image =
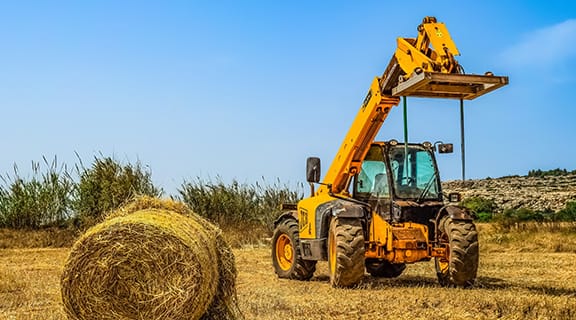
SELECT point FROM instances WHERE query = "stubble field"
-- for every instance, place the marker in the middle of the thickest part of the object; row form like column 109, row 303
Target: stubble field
column 522, row 275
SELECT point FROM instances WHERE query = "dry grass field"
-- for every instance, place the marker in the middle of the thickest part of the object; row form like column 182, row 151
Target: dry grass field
column 523, row 275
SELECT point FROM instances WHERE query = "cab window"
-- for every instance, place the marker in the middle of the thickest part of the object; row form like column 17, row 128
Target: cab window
column 372, row 181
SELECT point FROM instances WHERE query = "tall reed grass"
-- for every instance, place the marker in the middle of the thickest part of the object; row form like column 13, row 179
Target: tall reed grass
column 107, row 185
column 44, row 199
column 54, row 196
column 237, row 204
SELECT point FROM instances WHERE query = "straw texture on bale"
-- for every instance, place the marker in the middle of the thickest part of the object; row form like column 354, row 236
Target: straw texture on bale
column 152, row 259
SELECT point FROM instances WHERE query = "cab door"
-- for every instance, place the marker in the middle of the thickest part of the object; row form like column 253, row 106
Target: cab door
column 372, row 184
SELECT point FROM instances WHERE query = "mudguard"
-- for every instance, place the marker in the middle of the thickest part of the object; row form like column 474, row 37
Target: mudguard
column 455, row 213
column 337, row 208
column 286, row 215
column 346, row 209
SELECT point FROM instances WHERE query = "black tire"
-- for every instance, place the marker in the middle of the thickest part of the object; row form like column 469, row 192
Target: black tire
column 286, row 257
column 462, row 265
column 384, row 269
column 345, row 252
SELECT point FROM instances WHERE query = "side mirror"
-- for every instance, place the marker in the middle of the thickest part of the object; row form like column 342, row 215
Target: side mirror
column 445, row 148
column 313, row 169
column 454, row 197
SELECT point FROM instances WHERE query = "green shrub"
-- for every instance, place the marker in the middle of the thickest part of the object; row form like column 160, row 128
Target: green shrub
column 237, row 204
column 484, row 217
column 511, row 217
column 42, row 200
column 107, row 185
column 568, row 213
column 482, row 208
column 524, row 214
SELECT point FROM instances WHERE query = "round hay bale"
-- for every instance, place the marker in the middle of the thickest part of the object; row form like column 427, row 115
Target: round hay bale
column 152, row 259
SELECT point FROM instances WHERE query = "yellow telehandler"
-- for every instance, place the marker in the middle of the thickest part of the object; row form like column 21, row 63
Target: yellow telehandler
column 380, row 205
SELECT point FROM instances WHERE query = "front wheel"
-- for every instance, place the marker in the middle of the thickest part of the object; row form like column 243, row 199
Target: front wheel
column 461, row 266
column 286, row 257
column 346, row 252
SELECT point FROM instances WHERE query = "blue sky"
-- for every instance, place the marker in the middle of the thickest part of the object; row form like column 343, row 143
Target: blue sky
column 249, row 89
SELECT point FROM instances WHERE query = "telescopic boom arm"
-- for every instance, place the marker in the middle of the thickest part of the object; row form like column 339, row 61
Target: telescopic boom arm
column 422, row 67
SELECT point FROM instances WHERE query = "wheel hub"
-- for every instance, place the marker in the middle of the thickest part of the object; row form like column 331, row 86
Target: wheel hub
column 284, row 252
column 288, row 252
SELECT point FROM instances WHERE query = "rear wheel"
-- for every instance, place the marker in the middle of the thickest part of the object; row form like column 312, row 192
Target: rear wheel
column 384, row 269
column 286, row 257
column 461, row 266
column 346, row 252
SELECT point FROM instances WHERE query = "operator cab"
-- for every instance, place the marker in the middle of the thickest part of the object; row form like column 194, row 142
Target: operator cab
column 397, row 176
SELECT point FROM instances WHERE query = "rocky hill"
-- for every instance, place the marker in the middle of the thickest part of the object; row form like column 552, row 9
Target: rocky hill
column 536, row 193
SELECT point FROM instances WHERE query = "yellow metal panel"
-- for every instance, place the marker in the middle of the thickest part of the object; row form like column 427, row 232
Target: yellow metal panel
column 440, row 38
column 380, row 231
column 405, row 60
column 409, row 58
column 397, row 243
column 306, row 223
column 412, row 225
column 307, row 215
